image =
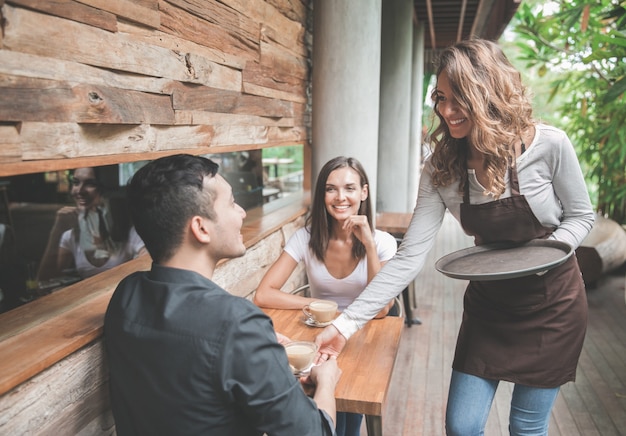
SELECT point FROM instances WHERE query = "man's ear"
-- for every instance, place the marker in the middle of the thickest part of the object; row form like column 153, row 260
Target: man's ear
column 200, row 229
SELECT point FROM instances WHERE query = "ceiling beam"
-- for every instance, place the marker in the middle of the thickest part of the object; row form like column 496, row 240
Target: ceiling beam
column 482, row 16
column 429, row 10
column 459, row 32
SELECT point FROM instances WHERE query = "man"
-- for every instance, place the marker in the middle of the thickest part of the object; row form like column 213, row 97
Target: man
column 185, row 356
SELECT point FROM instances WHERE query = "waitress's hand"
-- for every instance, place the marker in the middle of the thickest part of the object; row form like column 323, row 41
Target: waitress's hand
column 330, row 343
column 358, row 225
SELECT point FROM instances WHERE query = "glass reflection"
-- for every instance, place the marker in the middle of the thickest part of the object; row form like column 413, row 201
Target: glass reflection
column 59, row 227
column 91, row 236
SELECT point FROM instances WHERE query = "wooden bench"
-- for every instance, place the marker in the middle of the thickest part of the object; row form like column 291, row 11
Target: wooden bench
column 602, row 251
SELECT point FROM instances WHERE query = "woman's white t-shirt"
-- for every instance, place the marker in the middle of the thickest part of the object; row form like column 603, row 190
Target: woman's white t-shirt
column 322, row 284
column 85, row 269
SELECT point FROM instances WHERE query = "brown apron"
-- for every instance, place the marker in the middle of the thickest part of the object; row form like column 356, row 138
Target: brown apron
column 527, row 330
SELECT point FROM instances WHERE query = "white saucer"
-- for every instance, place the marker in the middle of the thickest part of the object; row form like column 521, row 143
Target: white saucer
column 312, row 323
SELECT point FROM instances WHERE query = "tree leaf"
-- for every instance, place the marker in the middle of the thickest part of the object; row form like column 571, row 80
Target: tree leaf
column 615, row 91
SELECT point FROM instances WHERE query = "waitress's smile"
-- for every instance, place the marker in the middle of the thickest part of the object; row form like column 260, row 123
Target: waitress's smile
column 447, row 105
column 457, row 121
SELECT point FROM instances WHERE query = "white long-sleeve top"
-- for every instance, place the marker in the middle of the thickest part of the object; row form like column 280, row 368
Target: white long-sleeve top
column 551, row 180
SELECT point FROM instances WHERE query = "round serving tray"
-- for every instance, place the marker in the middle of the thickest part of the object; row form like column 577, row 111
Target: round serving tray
column 504, row 261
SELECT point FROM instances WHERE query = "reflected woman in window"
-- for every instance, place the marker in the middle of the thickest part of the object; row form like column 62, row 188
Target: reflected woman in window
column 91, row 237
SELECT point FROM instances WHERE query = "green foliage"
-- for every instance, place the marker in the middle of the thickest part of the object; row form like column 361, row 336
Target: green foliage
column 582, row 43
column 293, row 152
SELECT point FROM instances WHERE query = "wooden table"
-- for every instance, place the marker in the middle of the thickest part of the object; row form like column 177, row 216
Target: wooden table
column 366, row 362
column 397, row 223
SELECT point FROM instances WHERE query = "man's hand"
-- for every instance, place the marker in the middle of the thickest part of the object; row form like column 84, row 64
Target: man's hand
column 326, row 372
column 324, row 378
column 330, row 343
column 282, row 339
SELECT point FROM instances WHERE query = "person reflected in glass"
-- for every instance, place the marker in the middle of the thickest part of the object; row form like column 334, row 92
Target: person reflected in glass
column 339, row 247
column 506, row 178
column 93, row 236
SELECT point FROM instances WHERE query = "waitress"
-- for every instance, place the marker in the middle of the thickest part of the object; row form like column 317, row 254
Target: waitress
column 505, row 178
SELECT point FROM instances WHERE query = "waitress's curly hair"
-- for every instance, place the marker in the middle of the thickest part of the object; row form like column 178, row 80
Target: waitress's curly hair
column 490, row 91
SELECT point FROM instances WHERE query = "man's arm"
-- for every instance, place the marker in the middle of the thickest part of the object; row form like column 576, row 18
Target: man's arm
column 325, row 378
column 255, row 371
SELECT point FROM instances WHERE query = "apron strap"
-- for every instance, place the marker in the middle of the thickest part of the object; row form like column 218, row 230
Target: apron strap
column 514, row 180
column 466, row 190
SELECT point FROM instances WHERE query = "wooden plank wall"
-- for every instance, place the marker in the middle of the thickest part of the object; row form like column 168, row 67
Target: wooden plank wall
column 95, row 82
column 121, row 80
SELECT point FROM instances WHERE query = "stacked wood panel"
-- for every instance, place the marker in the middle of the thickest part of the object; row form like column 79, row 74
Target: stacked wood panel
column 120, row 80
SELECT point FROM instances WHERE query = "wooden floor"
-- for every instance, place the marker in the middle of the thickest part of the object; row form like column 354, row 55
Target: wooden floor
column 594, row 405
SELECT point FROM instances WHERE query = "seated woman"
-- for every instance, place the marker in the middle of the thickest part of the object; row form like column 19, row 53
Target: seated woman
column 91, row 237
column 339, row 248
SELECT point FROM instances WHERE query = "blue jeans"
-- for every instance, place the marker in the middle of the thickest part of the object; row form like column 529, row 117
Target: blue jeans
column 349, row 424
column 470, row 398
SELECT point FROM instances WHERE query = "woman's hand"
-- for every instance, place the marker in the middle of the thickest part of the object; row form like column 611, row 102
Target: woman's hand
column 358, row 225
column 66, row 218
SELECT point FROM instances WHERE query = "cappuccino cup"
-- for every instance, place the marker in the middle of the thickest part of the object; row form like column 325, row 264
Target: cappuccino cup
column 321, row 311
column 300, row 355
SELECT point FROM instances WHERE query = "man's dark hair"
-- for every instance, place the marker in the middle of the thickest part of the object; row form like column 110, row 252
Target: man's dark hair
column 164, row 195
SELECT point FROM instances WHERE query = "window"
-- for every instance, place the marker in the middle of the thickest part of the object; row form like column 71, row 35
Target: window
column 258, row 177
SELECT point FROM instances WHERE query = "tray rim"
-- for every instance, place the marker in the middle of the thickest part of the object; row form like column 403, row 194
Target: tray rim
column 551, row 243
